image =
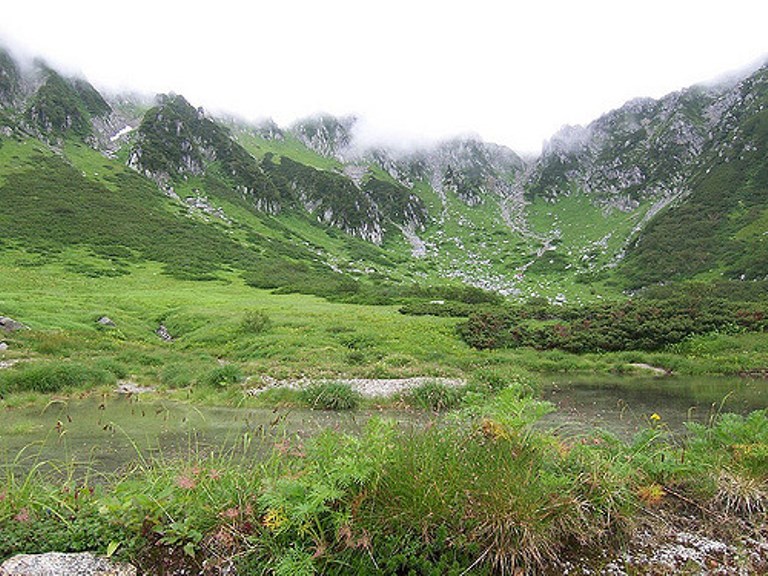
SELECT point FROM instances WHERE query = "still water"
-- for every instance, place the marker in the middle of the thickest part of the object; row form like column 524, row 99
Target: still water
column 106, row 433
column 624, row 404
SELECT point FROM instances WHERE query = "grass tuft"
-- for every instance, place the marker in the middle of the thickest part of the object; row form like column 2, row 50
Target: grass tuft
column 330, row 396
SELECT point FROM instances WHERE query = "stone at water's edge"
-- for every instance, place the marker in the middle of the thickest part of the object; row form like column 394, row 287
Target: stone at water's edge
column 58, row 564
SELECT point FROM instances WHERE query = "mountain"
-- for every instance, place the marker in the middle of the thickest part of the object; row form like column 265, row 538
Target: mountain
column 652, row 192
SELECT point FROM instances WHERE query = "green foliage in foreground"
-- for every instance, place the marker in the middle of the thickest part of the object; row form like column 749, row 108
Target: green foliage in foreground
column 486, row 489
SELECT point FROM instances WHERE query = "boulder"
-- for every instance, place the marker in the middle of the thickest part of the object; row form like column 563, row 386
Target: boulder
column 105, row 321
column 58, row 564
column 11, row 325
column 162, row 331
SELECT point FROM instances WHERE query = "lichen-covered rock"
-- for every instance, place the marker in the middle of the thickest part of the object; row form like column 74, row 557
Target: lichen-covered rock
column 59, row 564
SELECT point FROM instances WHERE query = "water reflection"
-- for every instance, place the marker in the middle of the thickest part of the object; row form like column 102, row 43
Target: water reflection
column 624, row 404
column 108, row 433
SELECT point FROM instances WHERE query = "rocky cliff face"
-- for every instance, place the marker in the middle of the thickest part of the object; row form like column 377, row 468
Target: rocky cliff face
column 10, row 79
column 325, row 134
column 468, row 168
column 645, row 149
column 720, row 225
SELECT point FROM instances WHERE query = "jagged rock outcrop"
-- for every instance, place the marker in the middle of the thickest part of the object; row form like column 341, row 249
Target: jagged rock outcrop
column 645, row 149
column 10, row 79
column 176, row 140
column 268, row 129
column 59, row 564
column 466, row 167
column 62, row 107
column 325, row 134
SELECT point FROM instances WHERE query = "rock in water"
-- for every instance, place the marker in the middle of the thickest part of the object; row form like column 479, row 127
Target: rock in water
column 11, row 325
column 57, row 564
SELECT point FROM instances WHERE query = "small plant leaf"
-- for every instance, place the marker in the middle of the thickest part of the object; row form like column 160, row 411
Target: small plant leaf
column 112, row 548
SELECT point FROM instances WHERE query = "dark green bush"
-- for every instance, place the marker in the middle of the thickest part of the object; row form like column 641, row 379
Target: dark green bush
column 636, row 324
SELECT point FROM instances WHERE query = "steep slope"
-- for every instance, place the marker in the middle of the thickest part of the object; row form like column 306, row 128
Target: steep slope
column 62, row 107
column 10, row 78
column 721, row 226
column 677, row 180
column 176, row 142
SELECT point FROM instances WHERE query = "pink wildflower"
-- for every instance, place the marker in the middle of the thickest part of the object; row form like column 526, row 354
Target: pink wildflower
column 231, row 513
column 185, row 482
column 22, row 516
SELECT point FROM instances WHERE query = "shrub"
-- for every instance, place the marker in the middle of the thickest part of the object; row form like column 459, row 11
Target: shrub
column 221, row 376
column 177, row 375
column 331, row 396
column 255, row 322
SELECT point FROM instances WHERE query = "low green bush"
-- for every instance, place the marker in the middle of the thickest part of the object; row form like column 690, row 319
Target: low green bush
column 255, row 322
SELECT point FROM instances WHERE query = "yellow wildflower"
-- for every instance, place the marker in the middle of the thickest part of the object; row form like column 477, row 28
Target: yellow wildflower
column 274, row 518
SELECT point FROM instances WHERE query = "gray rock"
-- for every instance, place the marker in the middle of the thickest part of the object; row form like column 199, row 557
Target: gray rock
column 11, row 325
column 128, row 387
column 57, row 564
column 162, row 331
column 105, row 321
column 3, row 346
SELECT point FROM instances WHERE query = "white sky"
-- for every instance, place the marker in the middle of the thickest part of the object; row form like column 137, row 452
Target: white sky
column 512, row 72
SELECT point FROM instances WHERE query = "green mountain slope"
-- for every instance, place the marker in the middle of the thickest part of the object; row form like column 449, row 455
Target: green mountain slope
column 655, row 191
